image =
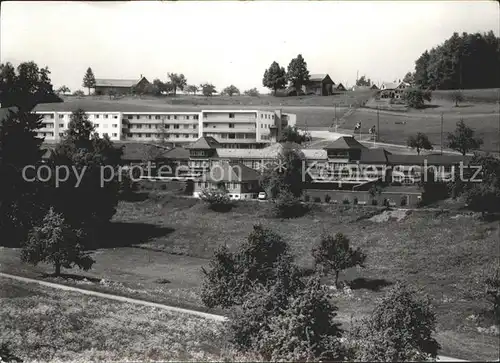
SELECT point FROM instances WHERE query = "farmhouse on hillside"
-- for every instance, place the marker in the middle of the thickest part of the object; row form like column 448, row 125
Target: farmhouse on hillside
column 393, row 90
column 119, row 86
column 320, row 85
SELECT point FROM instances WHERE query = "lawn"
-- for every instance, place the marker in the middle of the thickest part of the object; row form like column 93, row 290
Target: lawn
column 46, row 324
column 441, row 253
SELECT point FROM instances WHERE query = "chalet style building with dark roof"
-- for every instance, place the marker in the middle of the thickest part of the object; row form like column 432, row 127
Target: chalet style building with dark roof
column 119, row 86
column 320, row 85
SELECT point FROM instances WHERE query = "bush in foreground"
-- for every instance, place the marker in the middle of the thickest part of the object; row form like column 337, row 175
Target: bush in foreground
column 232, row 275
column 492, row 283
column 217, row 199
column 305, row 330
column 7, row 356
column 400, row 329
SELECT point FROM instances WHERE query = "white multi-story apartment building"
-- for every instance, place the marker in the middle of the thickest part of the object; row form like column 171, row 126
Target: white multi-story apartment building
column 231, row 128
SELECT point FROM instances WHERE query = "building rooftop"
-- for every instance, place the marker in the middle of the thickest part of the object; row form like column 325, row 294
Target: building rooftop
column 375, row 156
column 232, row 172
column 344, row 143
column 137, row 151
column 117, row 82
column 319, row 77
column 205, row 142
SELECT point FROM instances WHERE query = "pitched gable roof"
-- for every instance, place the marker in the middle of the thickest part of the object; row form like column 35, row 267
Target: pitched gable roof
column 177, row 153
column 345, row 142
column 320, row 77
column 205, row 142
column 101, row 82
column 375, row 156
column 340, row 86
column 232, row 172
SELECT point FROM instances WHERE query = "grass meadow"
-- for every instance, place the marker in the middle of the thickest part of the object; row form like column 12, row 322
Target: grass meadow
column 165, row 240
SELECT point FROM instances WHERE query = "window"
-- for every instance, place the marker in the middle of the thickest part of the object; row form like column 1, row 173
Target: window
column 175, row 117
column 231, row 115
column 167, row 126
column 61, row 125
column 115, row 116
column 149, row 117
column 105, row 134
column 138, row 126
column 137, row 116
column 129, row 135
column 168, row 117
column 149, row 126
column 96, row 125
column 176, row 126
column 105, row 116
column 157, row 117
column 195, row 126
column 61, row 116
column 260, row 115
column 231, row 126
column 130, row 117
column 177, row 136
column 187, row 117
column 114, row 135
column 196, row 117
column 61, row 134
column 232, row 136
column 96, row 116
column 186, row 136
column 115, row 125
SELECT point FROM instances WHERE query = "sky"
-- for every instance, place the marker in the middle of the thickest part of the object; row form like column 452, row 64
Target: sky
column 232, row 42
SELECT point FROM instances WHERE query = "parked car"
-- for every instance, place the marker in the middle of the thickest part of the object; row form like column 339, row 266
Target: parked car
column 262, row 196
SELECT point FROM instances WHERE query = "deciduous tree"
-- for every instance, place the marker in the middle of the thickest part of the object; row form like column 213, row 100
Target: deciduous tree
column 89, row 79
column 231, row 90
column 29, row 87
column 415, row 98
column 463, row 140
column 207, row 89
column 457, row 96
column 56, row 243
column 363, row 81
column 274, row 77
column 63, row 90
column 253, row 92
column 333, row 254
column 192, row 89
column 178, row 81
column 419, row 142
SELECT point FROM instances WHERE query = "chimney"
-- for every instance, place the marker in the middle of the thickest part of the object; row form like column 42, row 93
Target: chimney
column 141, row 77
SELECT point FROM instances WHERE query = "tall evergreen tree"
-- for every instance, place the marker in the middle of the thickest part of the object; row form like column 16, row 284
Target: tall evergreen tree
column 89, row 196
column 297, row 73
column 89, row 79
column 21, row 200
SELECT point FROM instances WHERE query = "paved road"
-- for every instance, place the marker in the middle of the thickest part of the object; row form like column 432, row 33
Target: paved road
column 147, row 303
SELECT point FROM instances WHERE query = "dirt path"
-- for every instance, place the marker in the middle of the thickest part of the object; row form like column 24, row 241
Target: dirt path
column 147, row 303
column 115, row 297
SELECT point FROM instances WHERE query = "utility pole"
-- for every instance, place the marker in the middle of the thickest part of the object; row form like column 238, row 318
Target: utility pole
column 378, row 124
column 441, row 133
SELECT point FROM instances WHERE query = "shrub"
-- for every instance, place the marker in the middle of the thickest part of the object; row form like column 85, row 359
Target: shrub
column 345, row 201
column 232, row 275
column 385, row 203
column 7, row 356
column 317, row 200
column 288, row 206
column 400, row 329
column 333, row 254
column 305, row 330
column 404, row 201
column 327, row 198
column 355, row 201
column 217, row 199
column 492, row 283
